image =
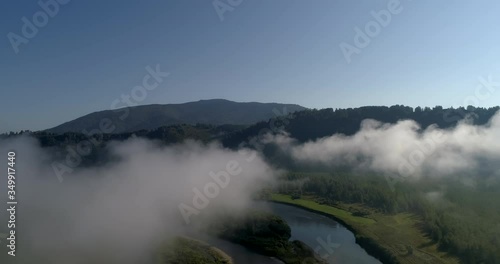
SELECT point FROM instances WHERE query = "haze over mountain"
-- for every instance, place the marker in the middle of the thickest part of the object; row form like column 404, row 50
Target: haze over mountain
column 214, row 112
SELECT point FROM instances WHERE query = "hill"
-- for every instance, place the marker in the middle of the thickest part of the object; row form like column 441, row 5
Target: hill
column 213, row 112
column 312, row 124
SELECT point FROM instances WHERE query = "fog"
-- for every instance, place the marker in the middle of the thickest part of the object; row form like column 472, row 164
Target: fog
column 404, row 148
column 119, row 212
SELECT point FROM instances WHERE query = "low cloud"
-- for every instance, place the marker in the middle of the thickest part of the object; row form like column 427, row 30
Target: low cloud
column 404, row 148
column 118, row 212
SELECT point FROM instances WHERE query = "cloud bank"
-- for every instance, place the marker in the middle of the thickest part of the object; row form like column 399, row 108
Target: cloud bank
column 119, row 212
column 404, row 148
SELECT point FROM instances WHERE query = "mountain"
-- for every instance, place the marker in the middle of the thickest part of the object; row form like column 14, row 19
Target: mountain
column 305, row 125
column 213, row 112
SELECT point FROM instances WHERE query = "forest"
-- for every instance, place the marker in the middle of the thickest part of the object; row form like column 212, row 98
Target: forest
column 302, row 125
column 463, row 219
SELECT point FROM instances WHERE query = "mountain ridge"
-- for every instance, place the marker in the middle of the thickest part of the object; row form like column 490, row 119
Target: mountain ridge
column 211, row 111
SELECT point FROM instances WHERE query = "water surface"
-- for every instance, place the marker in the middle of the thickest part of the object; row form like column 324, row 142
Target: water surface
column 329, row 239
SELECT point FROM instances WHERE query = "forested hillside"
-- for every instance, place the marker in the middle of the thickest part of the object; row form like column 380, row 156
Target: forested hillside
column 462, row 219
column 213, row 112
column 302, row 125
column 312, row 124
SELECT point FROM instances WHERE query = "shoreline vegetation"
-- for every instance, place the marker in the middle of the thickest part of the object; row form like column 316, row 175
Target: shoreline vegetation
column 266, row 234
column 262, row 232
column 186, row 250
column 391, row 238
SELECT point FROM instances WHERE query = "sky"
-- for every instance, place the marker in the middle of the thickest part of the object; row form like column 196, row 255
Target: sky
column 89, row 53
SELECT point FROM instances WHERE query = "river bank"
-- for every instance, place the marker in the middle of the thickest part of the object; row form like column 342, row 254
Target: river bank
column 330, row 239
column 389, row 238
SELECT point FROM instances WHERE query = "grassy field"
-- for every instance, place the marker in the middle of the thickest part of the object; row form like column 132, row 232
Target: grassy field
column 397, row 234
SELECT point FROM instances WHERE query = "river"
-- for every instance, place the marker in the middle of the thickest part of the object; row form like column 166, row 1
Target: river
column 329, row 239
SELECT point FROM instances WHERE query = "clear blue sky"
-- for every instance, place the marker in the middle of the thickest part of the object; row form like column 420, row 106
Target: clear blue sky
column 91, row 52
